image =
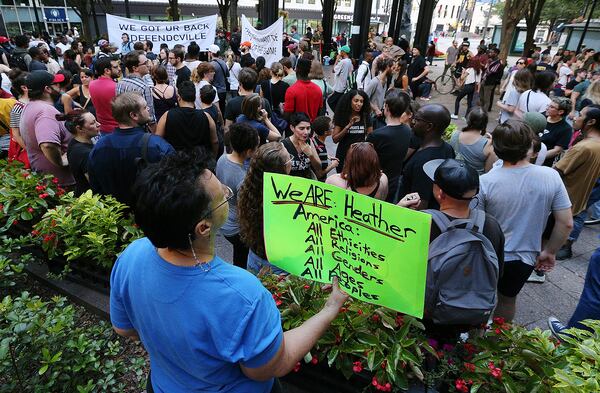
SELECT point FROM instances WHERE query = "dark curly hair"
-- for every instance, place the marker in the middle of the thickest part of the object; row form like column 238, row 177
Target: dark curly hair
column 170, row 198
column 268, row 158
column 343, row 109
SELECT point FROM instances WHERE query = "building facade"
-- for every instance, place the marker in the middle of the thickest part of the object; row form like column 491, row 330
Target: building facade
column 18, row 16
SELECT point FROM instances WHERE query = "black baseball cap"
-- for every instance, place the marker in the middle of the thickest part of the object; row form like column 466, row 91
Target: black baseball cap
column 454, row 177
column 37, row 80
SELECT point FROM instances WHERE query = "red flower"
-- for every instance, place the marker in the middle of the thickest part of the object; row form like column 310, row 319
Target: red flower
column 54, row 180
column 359, row 312
column 374, row 381
column 357, row 367
column 25, row 174
column 343, row 309
column 43, row 196
column 470, row 367
column 15, row 222
column 470, row 348
column 498, row 331
column 499, row 320
column 399, row 320
column 461, row 385
column 307, row 287
column 277, row 300
column 384, row 364
column 496, row 373
column 314, row 359
column 491, row 365
column 1, row 206
column 375, row 318
column 35, row 233
column 297, row 367
column 30, row 209
column 40, row 188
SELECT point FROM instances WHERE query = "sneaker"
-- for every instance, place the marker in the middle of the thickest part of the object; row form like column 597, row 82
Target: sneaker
column 565, row 252
column 455, row 92
column 556, row 327
column 425, row 98
column 453, row 116
column 592, row 221
column 537, row 276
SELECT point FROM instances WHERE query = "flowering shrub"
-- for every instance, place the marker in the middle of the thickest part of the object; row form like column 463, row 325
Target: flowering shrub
column 91, row 227
column 25, row 195
column 362, row 338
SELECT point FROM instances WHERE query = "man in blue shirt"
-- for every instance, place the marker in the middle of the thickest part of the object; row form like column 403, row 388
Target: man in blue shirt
column 207, row 325
column 113, row 162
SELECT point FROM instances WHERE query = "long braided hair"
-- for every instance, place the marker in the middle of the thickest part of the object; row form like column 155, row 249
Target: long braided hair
column 268, row 158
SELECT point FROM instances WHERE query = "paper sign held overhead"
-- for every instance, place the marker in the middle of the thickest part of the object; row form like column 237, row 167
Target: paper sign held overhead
column 317, row 231
column 267, row 42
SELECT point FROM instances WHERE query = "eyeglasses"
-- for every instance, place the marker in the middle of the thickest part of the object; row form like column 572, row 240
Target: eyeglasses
column 520, row 62
column 228, row 194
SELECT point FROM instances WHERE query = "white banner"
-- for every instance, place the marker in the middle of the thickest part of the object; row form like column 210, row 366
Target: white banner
column 201, row 30
column 267, row 42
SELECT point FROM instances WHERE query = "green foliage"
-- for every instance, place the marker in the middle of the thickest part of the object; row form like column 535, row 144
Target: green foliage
column 91, row 227
column 24, row 195
column 363, row 336
column 448, row 132
column 44, row 348
column 12, row 270
column 580, row 356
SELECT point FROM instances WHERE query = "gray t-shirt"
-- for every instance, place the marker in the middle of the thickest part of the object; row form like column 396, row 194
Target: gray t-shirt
column 376, row 92
column 341, row 71
column 231, row 174
column 510, row 98
column 521, row 199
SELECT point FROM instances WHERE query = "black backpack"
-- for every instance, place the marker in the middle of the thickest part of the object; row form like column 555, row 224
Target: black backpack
column 17, row 60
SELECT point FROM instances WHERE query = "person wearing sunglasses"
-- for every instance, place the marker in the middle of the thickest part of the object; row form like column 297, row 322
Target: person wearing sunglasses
column 207, row 325
column 137, row 68
column 507, row 84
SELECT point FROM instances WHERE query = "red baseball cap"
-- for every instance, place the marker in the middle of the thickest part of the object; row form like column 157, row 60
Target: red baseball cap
column 3, row 39
column 37, row 80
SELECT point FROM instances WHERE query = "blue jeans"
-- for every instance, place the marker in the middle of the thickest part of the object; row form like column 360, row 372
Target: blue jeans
column 579, row 219
column 255, row 263
column 589, row 302
column 595, row 210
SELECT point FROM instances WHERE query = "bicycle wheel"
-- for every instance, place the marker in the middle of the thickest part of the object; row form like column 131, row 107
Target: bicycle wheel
column 444, row 84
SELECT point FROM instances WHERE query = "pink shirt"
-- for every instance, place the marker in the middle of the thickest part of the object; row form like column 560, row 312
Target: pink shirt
column 39, row 125
column 102, row 91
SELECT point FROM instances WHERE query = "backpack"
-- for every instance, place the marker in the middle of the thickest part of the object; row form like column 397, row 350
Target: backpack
column 462, row 273
column 17, row 61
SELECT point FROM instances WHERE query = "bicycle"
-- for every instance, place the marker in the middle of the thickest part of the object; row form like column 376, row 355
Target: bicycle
column 445, row 84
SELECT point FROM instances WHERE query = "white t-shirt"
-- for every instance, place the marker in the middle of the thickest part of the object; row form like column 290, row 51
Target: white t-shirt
column 472, row 76
column 234, row 84
column 63, row 48
column 563, row 75
column 199, row 86
column 533, row 101
column 192, row 65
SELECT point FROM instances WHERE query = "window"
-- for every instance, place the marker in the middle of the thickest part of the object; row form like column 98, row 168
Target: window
column 311, row 1
column 445, row 11
column 440, row 11
column 452, row 14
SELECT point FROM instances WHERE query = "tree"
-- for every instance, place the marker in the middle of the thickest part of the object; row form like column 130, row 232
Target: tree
column 233, row 15
column 84, row 9
column 224, row 6
column 173, row 12
column 532, row 19
column 514, row 11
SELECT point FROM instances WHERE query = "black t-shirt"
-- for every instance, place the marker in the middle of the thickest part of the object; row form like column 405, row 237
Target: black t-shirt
column 414, row 178
column 77, row 155
column 234, row 108
column 183, row 74
column 300, row 162
column 556, row 134
column 187, row 128
column 213, row 111
column 391, row 144
column 571, row 84
column 356, row 133
column 491, row 230
column 416, row 67
column 274, row 93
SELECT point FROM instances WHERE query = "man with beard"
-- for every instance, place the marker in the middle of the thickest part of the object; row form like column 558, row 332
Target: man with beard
column 103, row 90
column 46, row 139
column 114, row 161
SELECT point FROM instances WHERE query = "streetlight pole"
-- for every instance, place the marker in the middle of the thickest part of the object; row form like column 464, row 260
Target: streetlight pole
column 585, row 29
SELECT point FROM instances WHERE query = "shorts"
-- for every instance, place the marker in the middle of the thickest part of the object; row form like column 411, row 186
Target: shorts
column 515, row 275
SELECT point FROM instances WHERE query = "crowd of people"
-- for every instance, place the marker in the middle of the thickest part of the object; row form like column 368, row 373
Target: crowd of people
column 184, row 136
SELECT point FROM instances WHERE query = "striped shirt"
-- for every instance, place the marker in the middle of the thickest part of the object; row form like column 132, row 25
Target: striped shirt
column 15, row 114
column 136, row 84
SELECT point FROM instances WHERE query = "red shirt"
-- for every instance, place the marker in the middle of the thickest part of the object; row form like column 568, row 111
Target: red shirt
column 102, row 91
column 304, row 96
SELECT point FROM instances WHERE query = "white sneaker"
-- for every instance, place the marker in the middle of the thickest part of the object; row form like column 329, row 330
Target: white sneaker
column 537, row 277
column 453, row 116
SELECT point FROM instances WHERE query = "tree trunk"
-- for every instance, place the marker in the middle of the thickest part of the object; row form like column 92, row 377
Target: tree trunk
column 224, row 11
column 233, row 15
column 174, row 5
column 514, row 11
column 532, row 19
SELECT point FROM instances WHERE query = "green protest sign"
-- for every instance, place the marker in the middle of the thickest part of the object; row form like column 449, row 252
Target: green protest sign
column 317, row 231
